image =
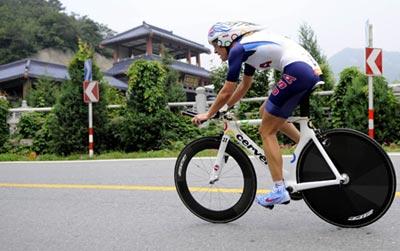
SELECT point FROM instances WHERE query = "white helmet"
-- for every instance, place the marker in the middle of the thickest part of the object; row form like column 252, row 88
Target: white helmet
column 224, row 33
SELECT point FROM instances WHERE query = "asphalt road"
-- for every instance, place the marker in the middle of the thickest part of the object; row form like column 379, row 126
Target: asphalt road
column 132, row 205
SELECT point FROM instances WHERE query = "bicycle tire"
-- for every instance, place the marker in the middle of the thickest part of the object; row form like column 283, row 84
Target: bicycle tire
column 192, row 196
column 372, row 180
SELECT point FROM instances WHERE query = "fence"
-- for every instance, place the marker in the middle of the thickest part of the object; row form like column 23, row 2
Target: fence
column 200, row 105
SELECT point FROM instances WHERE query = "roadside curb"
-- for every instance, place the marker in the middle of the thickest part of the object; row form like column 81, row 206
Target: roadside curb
column 394, row 154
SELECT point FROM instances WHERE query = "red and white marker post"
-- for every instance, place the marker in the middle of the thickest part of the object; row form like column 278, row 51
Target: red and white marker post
column 373, row 67
column 90, row 95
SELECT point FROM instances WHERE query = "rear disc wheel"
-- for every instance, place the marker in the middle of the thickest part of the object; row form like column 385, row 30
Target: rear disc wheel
column 371, row 185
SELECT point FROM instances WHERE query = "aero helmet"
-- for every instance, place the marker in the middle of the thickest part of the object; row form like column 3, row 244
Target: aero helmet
column 224, row 33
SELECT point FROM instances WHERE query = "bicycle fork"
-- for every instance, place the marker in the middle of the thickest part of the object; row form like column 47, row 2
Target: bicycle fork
column 222, row 158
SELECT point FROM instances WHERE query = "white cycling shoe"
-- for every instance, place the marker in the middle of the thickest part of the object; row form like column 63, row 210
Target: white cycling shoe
column 279, row 195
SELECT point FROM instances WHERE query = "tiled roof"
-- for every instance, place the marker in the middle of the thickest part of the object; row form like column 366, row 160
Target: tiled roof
column 146, row 29
column 33, row 68
column 123, row 66
column 116, row 82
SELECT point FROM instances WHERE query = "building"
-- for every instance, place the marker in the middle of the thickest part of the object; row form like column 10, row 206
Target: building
column 149, row 42
column 17, row 78
column 143, row 42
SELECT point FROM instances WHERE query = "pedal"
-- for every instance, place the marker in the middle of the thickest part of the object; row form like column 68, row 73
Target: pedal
column 296, row 196
column 272, row 206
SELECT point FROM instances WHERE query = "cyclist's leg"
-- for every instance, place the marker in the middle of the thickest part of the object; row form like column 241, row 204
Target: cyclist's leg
column 290, row 131
column 269, row 127
column 297, row 80
column 287, row 128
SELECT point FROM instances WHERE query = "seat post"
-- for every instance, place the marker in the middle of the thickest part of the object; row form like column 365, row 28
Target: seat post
column 305, row 102
column 305, row 106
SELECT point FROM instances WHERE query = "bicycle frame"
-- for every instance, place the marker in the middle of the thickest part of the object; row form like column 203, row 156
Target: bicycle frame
column 232, row 130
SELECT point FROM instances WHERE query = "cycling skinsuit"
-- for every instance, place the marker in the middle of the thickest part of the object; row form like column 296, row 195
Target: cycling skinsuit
column 263, row 50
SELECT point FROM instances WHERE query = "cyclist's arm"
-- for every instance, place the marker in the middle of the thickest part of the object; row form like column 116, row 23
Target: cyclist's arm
column 241, row 90
column 223, row 96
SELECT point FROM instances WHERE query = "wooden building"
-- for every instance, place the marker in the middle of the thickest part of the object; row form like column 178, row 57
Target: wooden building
column 148, row 42
column 16, row 78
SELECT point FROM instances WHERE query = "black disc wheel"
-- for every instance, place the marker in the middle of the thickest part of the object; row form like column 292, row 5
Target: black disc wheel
column 371, row 185
column 224, row 200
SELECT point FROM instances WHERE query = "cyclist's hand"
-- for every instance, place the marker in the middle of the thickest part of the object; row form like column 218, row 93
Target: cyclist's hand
column 199, row 118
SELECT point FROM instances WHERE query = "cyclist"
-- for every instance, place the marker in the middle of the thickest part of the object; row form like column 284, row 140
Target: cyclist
column 249, row 44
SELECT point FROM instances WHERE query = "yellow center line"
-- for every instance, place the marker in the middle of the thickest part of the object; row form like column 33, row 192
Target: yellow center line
column 118, row 187
column 82, row 186
column 128, row 187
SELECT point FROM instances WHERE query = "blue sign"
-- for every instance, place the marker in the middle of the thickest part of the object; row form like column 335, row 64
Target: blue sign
column 88, row 70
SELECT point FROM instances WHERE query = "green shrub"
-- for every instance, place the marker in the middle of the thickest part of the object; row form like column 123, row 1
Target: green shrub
column 319, row 111
column 4, row 130
column 30, row 123
column 338, row 109
column 173, row 89
column 143, row 132
column 146, row 93
column 42, row 139
column 113, row 95
column 69, row 132
column 144, row 118
column 44, row 93
column 353, row 106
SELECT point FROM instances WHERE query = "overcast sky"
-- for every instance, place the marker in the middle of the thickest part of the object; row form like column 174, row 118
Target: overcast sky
column 337, row 23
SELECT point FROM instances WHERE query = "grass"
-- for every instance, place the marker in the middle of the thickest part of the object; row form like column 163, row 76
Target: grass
column 110, row 155
column 122, row 155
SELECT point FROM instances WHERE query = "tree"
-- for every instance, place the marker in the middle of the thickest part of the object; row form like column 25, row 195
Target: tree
column 69, row 131
column 259, row 88
column 146, row 86
column 338, row 109
column 27, row 26
column 173, row 89
column 144, row 118
column 17, row 36
column 308, row 40
column 39, row 95
column 353, row 106
column 218, row 76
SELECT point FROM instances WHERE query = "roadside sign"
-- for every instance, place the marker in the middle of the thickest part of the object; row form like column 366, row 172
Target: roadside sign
column 373, row 62
column 91, row 91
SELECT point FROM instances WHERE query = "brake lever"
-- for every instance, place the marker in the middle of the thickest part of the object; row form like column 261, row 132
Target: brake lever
column 217, row 115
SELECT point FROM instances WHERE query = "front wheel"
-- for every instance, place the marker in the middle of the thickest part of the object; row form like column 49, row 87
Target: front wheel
column 230, row 196
column 372, row 180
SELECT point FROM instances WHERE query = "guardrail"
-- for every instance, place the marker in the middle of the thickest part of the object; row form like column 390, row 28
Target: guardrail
column 200, row 105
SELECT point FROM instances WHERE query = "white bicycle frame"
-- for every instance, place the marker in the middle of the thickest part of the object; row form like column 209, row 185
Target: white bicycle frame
column 232, row 129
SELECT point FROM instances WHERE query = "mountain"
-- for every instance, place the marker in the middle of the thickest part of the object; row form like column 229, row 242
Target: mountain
column 355, row 57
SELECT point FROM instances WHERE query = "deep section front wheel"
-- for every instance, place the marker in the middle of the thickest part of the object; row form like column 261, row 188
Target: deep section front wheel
column 230, row 196
column 370, row 189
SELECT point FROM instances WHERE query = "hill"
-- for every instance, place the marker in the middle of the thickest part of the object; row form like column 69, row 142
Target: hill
column 355, row 57
column 27, row 27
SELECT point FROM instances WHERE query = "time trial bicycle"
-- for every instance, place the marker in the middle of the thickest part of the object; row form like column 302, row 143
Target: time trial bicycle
column 344, row 176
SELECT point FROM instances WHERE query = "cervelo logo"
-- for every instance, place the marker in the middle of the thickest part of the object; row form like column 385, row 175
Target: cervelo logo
column 249, row 146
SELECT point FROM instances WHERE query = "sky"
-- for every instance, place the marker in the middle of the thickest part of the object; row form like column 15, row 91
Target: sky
column 337, row 24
